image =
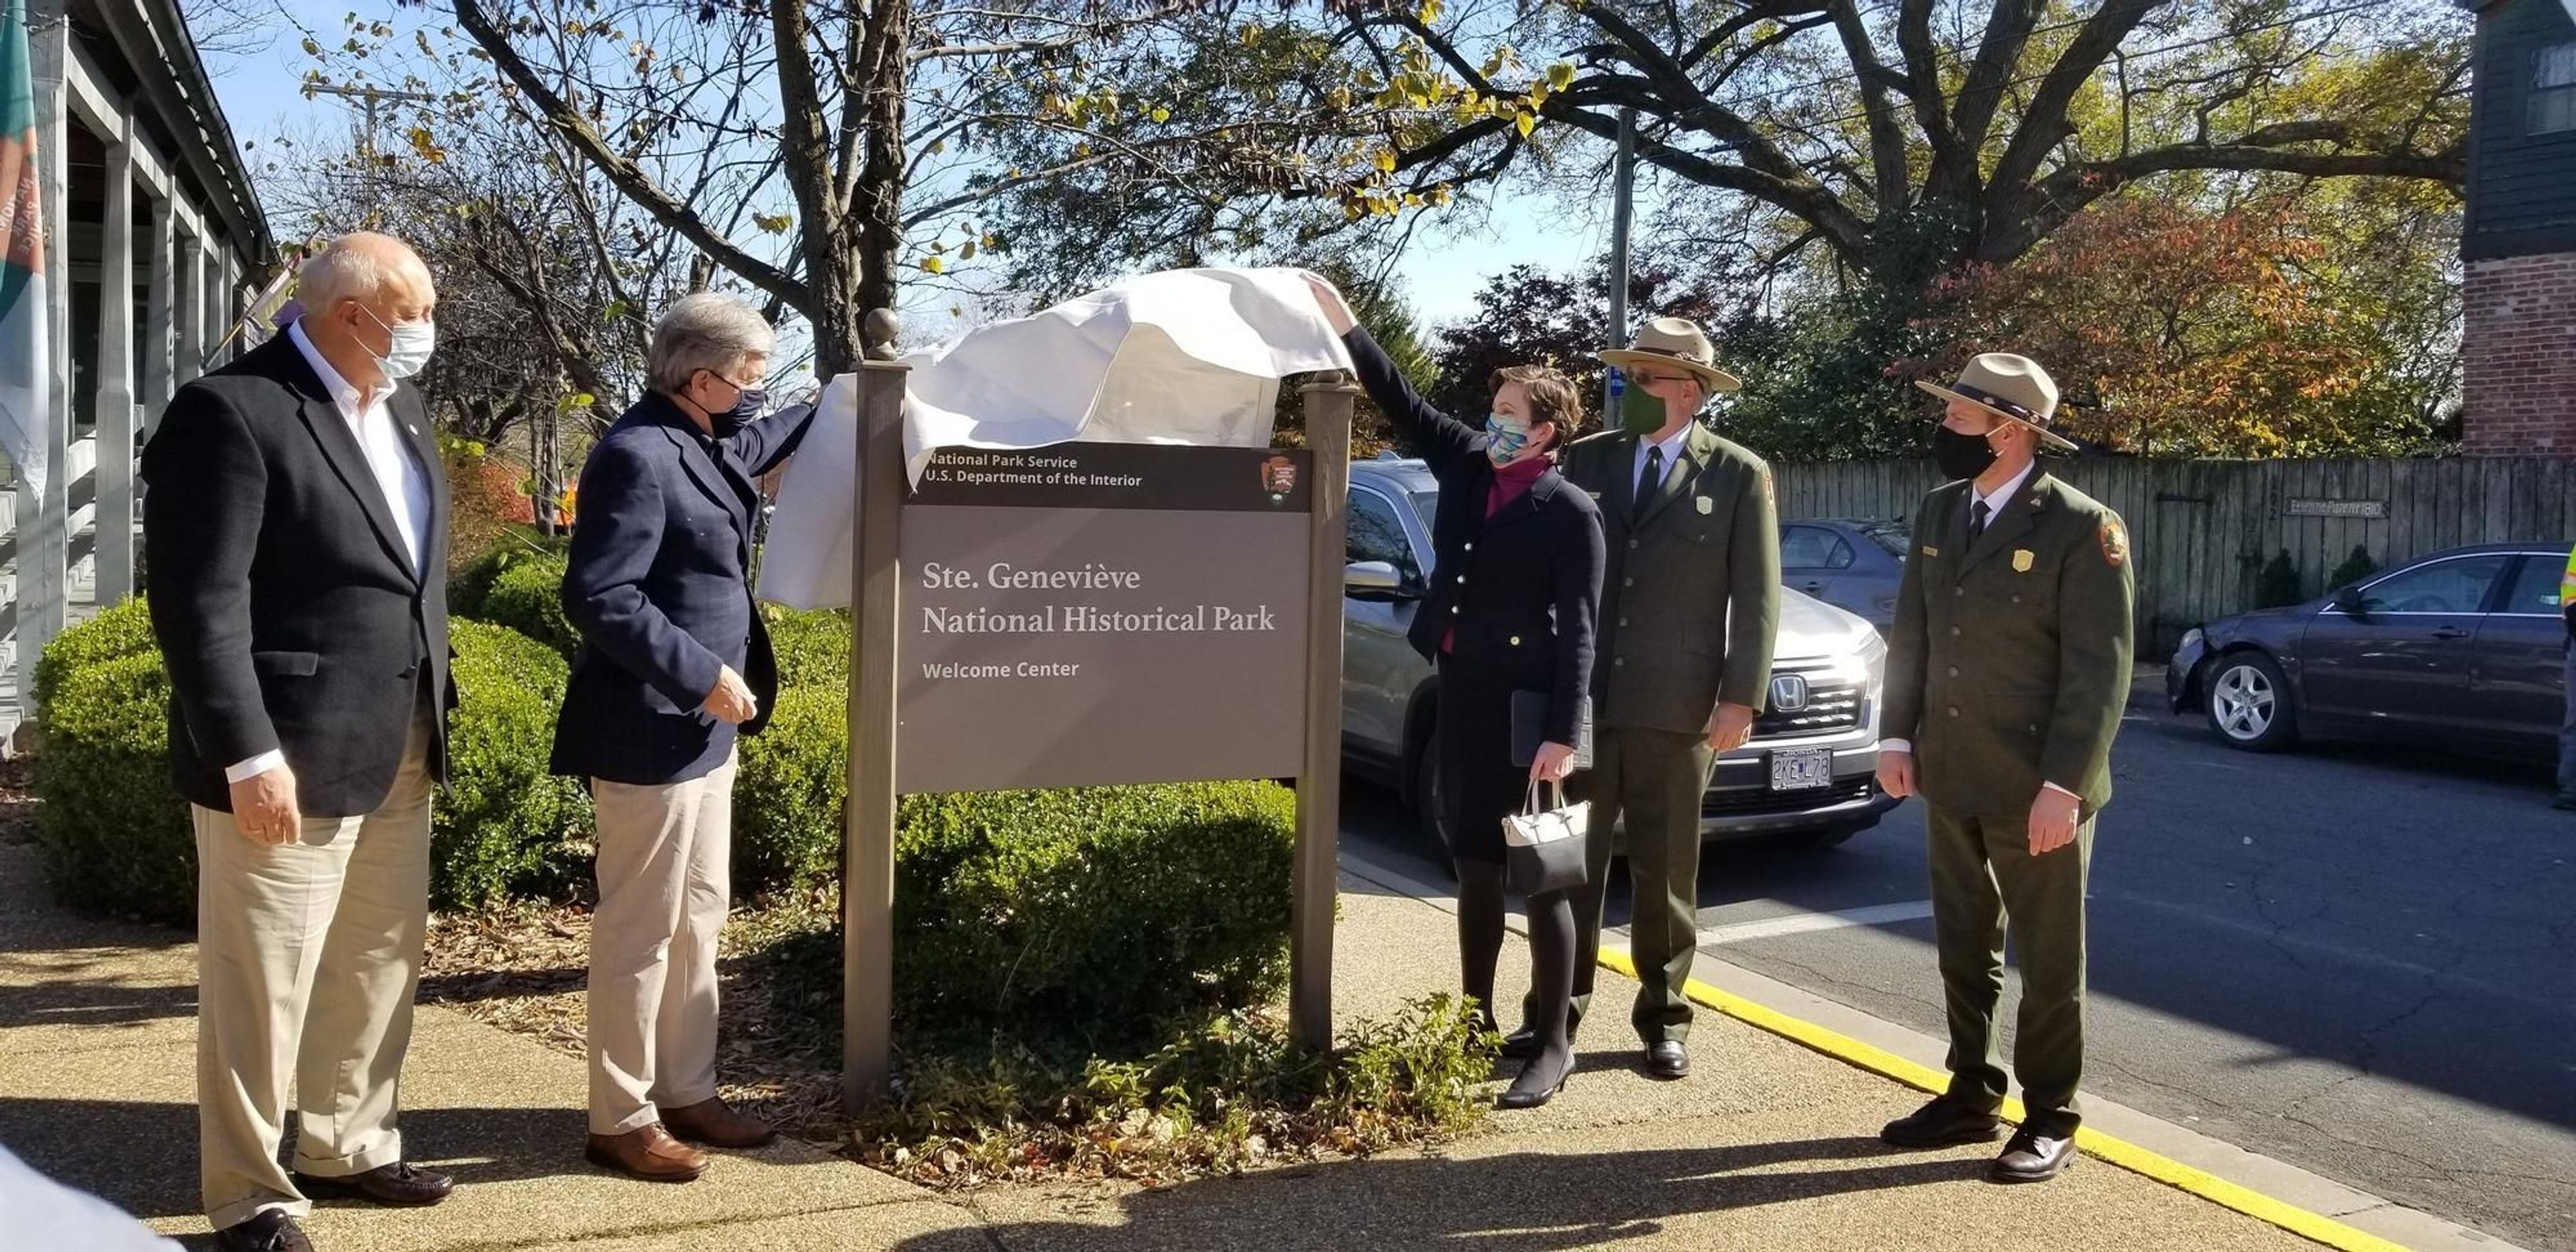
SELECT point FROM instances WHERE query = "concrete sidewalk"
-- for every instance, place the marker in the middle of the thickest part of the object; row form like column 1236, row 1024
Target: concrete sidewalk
column 1768, row 1145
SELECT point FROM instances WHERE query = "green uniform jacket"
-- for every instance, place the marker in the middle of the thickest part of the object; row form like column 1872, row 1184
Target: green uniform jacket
column 1690, row 601
column 2010, row 660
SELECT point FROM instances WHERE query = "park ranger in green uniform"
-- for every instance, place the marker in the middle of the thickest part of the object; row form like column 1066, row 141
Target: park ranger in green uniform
column 1690, row 603
column 2006, row 674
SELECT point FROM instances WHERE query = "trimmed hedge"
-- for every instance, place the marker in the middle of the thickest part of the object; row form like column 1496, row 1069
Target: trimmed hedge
column 527, row 596
column 122, row 630
column 787, row 799
column 472, row 581
column 813, row 647
column 1099, row 915
column 504, row 826
column 115, row 834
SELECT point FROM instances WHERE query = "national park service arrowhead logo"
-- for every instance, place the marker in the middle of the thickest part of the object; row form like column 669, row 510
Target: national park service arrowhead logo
column 1279, row 478
column 2115, row 542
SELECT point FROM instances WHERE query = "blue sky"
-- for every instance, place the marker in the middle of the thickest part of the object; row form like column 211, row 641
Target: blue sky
column 1442, row 269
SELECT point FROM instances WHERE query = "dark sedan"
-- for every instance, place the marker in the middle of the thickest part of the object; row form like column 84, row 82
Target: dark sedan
column 2464, row 648
column 1853, row 564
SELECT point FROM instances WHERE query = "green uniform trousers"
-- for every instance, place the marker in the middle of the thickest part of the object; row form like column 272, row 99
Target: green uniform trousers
column 1985, row 882
column 1654, row 778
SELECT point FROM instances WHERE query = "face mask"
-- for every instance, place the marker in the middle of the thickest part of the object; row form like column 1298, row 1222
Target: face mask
column 747, row 404
column 1504, row 438
column 1960, row 456
column 1641, row 412
column 408, row 353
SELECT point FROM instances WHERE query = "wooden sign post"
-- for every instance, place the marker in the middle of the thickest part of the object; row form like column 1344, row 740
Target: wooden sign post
column 1089, row 614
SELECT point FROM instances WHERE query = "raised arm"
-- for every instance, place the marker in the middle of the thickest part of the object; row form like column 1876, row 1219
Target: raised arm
column 1442, row 441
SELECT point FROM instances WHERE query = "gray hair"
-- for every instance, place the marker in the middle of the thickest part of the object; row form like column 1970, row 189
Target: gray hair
column 355, row 266
column 704, row 331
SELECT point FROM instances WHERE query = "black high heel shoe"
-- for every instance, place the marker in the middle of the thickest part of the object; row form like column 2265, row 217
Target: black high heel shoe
column 1523, row 1098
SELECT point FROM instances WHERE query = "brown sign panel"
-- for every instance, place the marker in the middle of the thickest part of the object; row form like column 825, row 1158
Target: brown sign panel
column 1091, row 614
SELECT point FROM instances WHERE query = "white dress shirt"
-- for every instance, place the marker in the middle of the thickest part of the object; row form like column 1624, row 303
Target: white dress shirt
column 1994, row 502
column 1672, row 452
column 397, row 473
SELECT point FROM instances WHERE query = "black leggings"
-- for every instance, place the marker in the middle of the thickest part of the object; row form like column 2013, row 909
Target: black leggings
column 1480, row 946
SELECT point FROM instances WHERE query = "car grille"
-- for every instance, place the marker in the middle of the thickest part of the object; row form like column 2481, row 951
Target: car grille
column 1750, row 803
column 1832, row 704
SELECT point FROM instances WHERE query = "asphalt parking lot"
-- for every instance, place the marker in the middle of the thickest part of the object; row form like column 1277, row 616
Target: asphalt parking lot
column 2361, row 960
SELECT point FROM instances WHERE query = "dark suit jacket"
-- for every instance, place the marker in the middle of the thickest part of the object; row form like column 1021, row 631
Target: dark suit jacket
column 1691, row 600
column 1522, row 588
column 2009, row 663
column 659, row 587
column 285, row 607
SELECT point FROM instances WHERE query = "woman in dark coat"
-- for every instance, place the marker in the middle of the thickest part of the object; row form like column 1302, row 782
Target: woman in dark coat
column 1515, row 588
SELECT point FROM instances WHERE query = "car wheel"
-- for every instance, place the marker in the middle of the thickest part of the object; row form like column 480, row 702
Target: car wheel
column 1429, row 817
column 2248, row 703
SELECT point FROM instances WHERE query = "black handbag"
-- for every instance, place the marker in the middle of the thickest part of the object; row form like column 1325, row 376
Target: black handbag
column 1544, row 848
column 1529, row 728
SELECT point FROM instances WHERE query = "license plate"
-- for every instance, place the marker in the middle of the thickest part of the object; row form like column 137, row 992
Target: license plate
column 1804, row 769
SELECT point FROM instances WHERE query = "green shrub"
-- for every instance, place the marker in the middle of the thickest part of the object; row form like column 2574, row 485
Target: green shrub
column 787, row 797
column 472, row 581
column 1097, row 915
column 527, row 597
column 2278, row 585
column 2358, row 566
column 504, row 826
column 813, row 647
column 121, row 631
column 114, row 832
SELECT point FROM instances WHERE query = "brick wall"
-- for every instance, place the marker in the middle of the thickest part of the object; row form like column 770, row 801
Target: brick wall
column 2520, row 357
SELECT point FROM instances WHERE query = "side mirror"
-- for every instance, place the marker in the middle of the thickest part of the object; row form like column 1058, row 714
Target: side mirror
column 1376, row 580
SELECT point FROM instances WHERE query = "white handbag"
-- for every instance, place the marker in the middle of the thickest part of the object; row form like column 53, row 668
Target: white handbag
column 1544, row 848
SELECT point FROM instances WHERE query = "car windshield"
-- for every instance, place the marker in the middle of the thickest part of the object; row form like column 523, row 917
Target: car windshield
column 1888, row 535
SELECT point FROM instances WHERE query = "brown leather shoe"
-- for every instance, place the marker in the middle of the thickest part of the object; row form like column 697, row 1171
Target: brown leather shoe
column 649, row 1154
column 716, row 1125
column 400, row 1185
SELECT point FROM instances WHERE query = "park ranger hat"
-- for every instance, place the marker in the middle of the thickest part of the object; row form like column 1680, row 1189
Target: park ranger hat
column 1675, row 341
column 2011, row 387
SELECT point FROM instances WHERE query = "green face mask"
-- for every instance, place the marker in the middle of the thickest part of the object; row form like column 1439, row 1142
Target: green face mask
column 1640, row 411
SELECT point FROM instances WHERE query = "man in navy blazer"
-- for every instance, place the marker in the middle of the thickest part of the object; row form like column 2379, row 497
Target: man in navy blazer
column 674, row 663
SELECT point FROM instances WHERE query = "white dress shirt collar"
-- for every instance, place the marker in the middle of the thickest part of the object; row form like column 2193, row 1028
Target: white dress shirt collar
column 343, row 391
column 2002, row 496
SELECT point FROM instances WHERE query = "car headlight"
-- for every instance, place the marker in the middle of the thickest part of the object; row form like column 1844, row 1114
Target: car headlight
column 2193, row 638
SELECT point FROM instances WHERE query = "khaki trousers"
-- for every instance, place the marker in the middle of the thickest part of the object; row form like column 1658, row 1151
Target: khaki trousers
column 308, row 955
column 665, row 856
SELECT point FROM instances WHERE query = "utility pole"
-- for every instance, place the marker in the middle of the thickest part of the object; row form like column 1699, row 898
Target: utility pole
column 1623, row 192
column 367, row 97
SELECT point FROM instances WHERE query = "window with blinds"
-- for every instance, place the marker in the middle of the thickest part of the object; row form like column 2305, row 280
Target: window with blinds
column 2553, row 89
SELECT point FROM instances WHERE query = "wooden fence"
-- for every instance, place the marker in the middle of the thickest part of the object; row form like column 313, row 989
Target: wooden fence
column 2202, row 530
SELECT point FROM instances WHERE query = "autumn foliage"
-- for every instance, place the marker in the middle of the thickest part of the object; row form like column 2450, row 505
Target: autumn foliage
column 487, row 494
column 2175, row 331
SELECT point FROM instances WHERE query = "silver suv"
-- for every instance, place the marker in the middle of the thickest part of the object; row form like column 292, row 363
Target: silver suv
column 1811, row 770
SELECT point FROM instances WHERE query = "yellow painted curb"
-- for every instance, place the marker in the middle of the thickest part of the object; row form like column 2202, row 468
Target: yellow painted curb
column 2120, row 1152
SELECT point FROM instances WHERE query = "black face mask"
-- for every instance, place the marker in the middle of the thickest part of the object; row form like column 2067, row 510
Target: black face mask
column 1960, row 456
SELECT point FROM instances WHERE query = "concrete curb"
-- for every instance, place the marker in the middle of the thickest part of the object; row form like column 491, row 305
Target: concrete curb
column 2269, row 1190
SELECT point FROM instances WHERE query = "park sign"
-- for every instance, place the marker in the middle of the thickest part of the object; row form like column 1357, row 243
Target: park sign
column 1098, row 613
column 1088, row 614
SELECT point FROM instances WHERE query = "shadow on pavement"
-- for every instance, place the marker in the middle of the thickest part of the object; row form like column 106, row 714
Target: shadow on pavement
column 1517, row 1202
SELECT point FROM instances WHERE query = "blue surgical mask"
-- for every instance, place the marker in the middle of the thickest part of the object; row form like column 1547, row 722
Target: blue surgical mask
column 1505, row 437
column 747, row 404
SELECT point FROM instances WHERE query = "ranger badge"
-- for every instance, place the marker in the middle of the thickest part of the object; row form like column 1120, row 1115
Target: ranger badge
column 2115, row 542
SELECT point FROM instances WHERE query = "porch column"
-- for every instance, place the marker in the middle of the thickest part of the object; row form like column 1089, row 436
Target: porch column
column 113, row 523
column 190, row 349
column 159, row 379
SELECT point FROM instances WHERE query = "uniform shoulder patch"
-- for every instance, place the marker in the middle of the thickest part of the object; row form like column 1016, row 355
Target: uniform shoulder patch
column 2115, row 541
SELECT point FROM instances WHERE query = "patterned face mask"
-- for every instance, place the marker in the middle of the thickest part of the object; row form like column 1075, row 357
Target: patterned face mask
column 1505, row 437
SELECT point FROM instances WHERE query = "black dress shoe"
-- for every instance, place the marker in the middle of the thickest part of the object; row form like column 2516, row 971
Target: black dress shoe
column 2034, row 1156
column 1943, row 1123
column 1520, row 1045
column 271, row 1231
column 400, row 1185
column 1667, row 1060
